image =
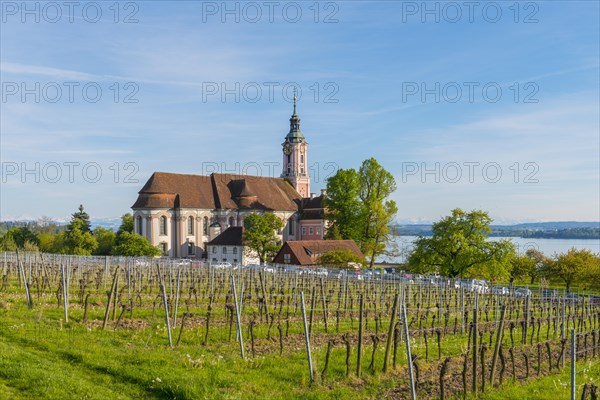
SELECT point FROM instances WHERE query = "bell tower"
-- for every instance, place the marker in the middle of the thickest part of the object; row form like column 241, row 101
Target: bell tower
column 295, row 157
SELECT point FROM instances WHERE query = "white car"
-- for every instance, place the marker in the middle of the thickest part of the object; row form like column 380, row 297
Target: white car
column 222, row 265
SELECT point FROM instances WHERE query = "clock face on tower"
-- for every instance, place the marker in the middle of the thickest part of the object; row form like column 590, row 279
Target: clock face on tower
column 287, row 149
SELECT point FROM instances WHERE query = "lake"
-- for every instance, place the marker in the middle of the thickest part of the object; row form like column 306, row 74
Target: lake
column 546, row 246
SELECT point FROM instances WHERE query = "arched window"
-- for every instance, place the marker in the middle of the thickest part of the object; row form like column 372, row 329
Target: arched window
column 139, row 225
column 163, row 225
column 205, row 226
column 289, row 158
column 231, row 221
column 290, row 226
column 301, row 158
column 190, row 225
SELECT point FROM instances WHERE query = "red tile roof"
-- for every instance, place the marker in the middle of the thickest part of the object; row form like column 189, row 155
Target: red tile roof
column 306, row 252
column 217, row 191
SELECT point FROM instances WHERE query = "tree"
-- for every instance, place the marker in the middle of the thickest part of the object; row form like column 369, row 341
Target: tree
column 81, row 215
column 20, row 236
column 343, row 205
column 132, row 245
column 260, row 234
column 573, row 266
column 340, row 258
column 541, row 264
column 522, row 267
column 7, row 243
column 459, row 248
column 106, row 241
column 358, row 207
column 126, row 224
column 78, row 240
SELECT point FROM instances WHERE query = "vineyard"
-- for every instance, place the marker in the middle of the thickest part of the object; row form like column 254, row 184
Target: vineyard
column 460, row 344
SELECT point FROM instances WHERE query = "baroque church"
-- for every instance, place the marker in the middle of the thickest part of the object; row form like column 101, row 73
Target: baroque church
column 182, row 214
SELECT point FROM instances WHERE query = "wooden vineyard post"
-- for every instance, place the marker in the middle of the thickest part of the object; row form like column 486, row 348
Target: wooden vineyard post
column 360, row 335
column 499, row 335
column 237, row 314
column 307, row 338
column 166, row 305
column 475, row 347
column 388, row 345
column 413, row 394
column 573, row 360
column 177, row 297
column 22, row 274
column 110, row 296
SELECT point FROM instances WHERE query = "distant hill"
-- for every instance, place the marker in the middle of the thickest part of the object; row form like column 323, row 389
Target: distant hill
column 548, row 230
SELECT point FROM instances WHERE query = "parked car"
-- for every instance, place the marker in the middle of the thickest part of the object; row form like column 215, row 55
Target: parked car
column 501, row 290
column 222, row 265
column 549, row 294
column 572, row 298
column 475, row 285
column 522, row 292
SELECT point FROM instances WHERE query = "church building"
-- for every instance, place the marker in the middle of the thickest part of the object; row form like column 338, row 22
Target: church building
column 182, row 213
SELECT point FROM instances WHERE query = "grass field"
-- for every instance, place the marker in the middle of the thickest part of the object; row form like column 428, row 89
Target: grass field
column 44, row 357
column 41, row 358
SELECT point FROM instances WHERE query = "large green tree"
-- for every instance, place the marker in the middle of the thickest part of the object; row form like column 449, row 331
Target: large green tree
column 130, row 244
column 574, row 266
column 106, row 239
column 126, row 224
column 260, row 234
column 78, row 240
column 343, row 205
column 358, row 207
column 459, row 248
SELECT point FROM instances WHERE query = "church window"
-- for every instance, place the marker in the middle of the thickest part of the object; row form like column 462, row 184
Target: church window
column 163, row 225
column 290, row 227
column 190, row 225
column 205, row 226
column 191, row 249
column 288, row 169
column 289, row 158
column 301, row 158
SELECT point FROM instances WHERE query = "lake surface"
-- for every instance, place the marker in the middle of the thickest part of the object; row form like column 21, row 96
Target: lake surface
column 546, row 246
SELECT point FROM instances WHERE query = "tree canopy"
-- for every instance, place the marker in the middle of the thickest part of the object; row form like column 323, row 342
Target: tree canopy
column 260, row 234
column 358, row 207
column 130, row 244
column 459, row 248
column 575, row 266
column 340, row 258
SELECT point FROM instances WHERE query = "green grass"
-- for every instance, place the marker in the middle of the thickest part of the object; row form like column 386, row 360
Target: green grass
column 555, row 387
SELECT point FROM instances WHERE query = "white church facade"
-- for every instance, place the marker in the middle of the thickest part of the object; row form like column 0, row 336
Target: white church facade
column 182, row 213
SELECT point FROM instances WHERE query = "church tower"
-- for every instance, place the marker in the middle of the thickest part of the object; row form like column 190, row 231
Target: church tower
column 295, row 157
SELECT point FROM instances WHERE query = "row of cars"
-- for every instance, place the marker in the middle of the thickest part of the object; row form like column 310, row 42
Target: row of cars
column 389, row 274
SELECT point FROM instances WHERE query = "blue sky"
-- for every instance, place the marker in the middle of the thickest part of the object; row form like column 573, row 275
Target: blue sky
column 494, row 107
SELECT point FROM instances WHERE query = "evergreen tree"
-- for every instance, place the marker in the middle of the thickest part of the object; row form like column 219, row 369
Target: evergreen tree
column 84, row 217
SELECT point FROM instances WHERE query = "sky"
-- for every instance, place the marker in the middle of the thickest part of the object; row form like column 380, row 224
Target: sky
column 477, row 105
